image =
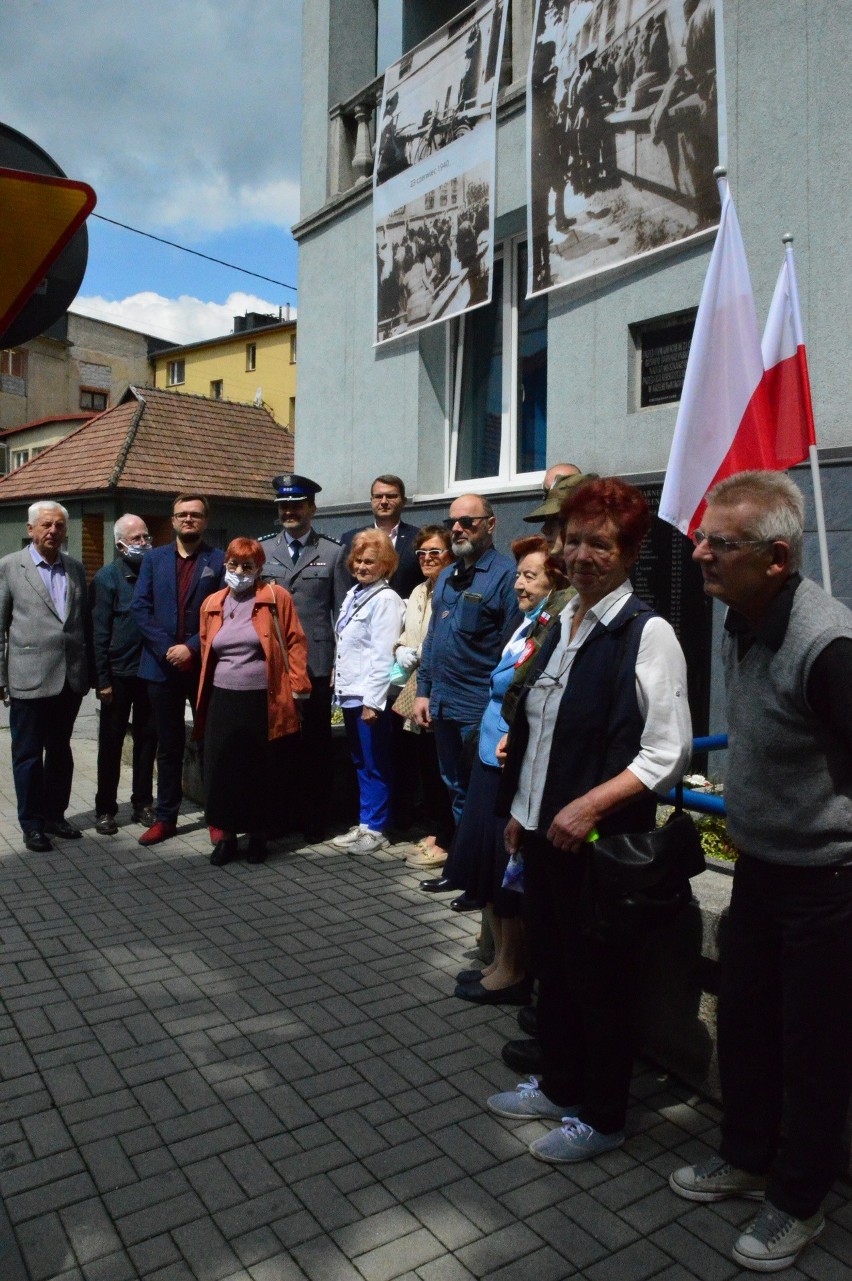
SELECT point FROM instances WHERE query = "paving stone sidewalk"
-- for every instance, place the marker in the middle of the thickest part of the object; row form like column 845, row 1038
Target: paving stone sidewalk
column 261, row 1074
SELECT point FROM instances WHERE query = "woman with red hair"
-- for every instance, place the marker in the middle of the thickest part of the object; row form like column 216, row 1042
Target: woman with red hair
column 601, row 726
column 254, row 668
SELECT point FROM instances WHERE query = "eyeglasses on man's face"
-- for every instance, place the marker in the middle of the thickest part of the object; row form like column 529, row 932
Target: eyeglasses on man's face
column 466, row 522
column 137, row 540
column 719, row 545
column 188, row 515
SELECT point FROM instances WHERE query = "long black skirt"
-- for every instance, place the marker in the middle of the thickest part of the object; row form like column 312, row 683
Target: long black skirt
column 479, row 852
column 244, row 781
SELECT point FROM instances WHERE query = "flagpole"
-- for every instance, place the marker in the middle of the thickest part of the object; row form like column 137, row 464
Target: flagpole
column 819, row 511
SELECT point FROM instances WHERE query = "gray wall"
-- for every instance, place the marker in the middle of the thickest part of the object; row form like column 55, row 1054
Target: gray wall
column 788, row 123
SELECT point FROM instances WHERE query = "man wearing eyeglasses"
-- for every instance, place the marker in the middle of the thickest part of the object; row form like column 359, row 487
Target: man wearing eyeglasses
column 785, row 1003
column 473, row 606
column 118, row 648
column 173, row 581
column 387, row 499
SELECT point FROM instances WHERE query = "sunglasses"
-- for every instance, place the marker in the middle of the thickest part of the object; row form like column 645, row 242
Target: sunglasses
column 430, row 553
column 466, row 522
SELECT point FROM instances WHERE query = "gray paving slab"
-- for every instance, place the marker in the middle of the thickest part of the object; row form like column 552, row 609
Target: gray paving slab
column 261, row 1074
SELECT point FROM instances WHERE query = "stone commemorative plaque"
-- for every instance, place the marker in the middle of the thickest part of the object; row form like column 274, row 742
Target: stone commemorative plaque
column 666, row 577
column 663, row 362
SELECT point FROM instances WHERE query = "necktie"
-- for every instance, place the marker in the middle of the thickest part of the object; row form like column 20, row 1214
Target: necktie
column 295, row 548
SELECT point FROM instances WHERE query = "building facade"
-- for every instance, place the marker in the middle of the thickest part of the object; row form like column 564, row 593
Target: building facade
column 77, row 366
column 448, row 408
column 256, row 364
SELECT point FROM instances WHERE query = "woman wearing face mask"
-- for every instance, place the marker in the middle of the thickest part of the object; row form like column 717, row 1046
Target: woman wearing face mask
column 479, row 857
column 253, row 671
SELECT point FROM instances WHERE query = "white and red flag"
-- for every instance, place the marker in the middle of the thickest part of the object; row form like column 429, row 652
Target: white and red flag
column 788, row 386
column 725, row 420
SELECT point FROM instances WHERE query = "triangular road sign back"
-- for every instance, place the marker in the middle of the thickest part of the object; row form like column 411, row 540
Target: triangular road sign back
column 38, row 217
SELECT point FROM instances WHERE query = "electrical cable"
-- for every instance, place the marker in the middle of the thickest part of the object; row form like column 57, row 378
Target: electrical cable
column 198, row 254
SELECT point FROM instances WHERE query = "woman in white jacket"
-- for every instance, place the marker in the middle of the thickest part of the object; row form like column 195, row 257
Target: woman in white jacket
column 368, row 628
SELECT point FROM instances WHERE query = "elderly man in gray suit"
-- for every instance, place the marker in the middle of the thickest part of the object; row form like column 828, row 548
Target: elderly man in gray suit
column 44, row 670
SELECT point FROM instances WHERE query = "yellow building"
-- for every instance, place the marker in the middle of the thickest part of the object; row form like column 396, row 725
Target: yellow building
column 256, row 364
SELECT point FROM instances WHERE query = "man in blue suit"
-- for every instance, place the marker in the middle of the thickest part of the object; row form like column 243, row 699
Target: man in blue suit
column 173, row 581
column 387, row 499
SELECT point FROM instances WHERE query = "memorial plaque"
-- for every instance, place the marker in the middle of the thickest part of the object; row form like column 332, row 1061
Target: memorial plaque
column 666, row 577
column 663, row 353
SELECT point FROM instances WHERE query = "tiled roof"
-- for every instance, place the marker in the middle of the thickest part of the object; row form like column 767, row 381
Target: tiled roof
column 158, row 441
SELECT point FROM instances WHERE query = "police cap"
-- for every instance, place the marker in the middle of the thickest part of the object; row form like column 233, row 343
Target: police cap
column 290, row 485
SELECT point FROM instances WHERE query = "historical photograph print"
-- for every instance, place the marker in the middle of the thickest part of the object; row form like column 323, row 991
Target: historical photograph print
column 434, row 175
column 622, row 132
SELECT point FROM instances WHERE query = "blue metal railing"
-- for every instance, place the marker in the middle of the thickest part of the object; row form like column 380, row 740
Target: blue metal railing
column 703, row 802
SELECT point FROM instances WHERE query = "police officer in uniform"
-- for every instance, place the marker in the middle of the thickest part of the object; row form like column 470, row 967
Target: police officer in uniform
column 312, row 567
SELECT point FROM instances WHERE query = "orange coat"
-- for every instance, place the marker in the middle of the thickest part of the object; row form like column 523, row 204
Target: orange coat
column 282, row 685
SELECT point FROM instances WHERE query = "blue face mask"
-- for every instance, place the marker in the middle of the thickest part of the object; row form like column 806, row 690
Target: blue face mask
column 134, row 553
column 239, row 583
column 533, row 614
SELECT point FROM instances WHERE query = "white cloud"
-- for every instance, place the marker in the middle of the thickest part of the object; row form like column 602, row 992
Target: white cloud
column 183, row 117
column 180, row 320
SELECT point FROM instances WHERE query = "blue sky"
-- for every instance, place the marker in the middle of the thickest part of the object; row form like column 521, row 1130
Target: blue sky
column 185, row 119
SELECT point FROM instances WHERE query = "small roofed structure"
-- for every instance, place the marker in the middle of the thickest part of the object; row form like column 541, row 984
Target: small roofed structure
column 138, row 455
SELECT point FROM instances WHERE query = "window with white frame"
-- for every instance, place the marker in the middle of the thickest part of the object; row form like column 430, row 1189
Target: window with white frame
column 498, row 358
column 176, row 372
column 251, row 356
column 217, row 389
column 19, row 457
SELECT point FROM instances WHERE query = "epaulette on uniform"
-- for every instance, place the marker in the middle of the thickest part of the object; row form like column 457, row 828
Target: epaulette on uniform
column 264, row 538
column 329, row 538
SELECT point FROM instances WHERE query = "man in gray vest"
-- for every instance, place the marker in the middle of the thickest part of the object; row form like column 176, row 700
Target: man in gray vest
column 312, row 567
column 785, row 1004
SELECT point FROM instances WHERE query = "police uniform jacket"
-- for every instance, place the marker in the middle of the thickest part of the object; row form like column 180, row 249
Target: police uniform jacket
column 318, row 583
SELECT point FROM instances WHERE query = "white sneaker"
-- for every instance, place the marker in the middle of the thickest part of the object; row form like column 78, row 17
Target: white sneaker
column 366, row 842
column 775, row 1239
column 341, row 842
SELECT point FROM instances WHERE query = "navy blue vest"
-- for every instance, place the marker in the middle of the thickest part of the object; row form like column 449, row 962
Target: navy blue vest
column 598, row 727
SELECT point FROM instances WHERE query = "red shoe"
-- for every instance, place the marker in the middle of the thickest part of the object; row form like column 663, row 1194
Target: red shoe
column 157, row 832
column 216, row 835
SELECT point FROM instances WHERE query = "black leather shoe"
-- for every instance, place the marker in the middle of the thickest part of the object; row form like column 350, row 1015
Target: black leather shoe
column 528, row 1020
column 464, row 903
column 223, row 852
column 523, row 1057
column 469, row 976
column 37, row 842
column 438, row 885
column 144, row 814
column 516, row 994
column 59, row 827
column 106, row 825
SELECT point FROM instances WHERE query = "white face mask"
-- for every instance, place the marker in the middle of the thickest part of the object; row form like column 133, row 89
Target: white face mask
column 239, row 583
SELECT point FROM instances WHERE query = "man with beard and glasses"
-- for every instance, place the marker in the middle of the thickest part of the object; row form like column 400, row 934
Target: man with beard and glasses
column 474, row 606
column 173, row 581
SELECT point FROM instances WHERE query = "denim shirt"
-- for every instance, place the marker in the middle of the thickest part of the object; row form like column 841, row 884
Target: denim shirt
column 465, row 638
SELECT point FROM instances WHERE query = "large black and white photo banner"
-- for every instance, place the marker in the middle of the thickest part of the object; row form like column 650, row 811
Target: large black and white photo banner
column 433, row 180
column 622, row 132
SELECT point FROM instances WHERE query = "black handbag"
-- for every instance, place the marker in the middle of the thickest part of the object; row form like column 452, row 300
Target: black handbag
column 639, row 881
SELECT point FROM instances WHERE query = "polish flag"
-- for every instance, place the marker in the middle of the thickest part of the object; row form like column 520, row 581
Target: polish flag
column 725, row 420
column 788, row 386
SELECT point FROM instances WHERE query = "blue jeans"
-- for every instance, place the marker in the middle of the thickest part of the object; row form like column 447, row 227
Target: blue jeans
column 450, row 739
column 370, row 745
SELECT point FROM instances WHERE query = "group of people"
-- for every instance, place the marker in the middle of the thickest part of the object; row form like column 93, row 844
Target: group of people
column 546, row 704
